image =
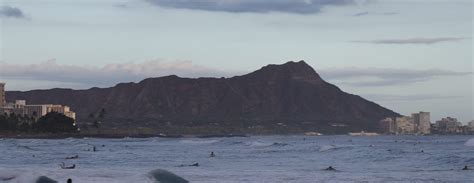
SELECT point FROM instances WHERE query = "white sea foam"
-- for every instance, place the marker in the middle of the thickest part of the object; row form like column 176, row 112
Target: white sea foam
column 199, row 141
column 326, row 148
column 470, row 143
column 258, row 144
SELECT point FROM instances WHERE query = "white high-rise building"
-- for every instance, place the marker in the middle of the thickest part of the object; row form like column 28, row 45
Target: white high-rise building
column 422, row 122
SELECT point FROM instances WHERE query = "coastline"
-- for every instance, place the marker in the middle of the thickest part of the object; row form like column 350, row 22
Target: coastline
column 120, row 136
column 114, row 136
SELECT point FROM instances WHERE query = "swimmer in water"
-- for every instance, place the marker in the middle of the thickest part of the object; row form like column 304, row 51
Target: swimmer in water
column 212, row 155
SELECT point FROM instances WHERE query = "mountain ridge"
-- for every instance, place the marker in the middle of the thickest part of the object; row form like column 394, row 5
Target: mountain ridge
column 290, row 97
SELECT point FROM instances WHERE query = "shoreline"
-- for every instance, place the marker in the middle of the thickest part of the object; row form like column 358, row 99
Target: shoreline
column 121, row 136
column 111, row 136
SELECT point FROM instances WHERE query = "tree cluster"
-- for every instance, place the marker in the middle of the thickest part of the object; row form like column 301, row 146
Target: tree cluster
column 96, row 121
column 15, row 122
column 52, row 122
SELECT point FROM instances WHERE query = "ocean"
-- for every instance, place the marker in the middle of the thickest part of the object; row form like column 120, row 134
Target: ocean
column 243, row 159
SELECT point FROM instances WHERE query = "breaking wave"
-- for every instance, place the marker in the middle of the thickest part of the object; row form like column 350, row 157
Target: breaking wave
column 470, row 143
column 264, row 144
column 26, row 147
column 326, row 148
column 199, row 141
column 79, row 175
column 160, row 175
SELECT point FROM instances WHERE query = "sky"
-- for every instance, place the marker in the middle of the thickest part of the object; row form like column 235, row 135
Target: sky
column 406, row 55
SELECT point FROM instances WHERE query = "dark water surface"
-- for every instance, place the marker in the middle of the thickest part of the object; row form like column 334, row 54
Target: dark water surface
column 240, row 159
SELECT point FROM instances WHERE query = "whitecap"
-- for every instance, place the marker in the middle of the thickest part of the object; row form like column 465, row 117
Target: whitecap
column 258, row 144
column 7, row 175
column 199, row 141
column 326, row 148
column 470, row 143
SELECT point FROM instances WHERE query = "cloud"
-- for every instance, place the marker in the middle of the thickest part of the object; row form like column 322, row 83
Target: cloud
column 253, row 6
column 426, row 41
column 365, row 13
column 11, row 12
column 375, row 77
column 405, row 98
column 361, row 14
column 390, row 13
column 107, row 75
column 121, row 5
column 52, row 73
column 399, row 98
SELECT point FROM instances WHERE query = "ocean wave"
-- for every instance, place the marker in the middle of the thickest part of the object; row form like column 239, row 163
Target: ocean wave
column 236, row 143
column 470, row 143
column 199, row 141
column 470, row 161
column 160, row 175
column 264, row 144
column 79, row 175
column 446, row 159
column 258, row 144
column 279, row 144
column 326, row 148
column 26, row 147
column 7, row 175
column 44, row 179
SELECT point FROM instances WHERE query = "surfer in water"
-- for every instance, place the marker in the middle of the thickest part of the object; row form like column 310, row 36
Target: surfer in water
column 330, row 168
column 466, row 168
column 73, row 157
column 185, row 165
column 63, row 166
column 69, row 180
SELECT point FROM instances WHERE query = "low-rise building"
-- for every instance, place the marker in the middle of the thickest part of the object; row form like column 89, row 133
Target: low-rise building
column 417, row 123
column 66, row 110
column 470, row 127
column 449, row 125
column 471, row 124
column 405, row 125
column 36, row 111
column 388, row 126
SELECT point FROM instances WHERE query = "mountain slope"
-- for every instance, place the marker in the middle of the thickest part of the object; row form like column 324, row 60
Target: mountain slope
column 290, row 97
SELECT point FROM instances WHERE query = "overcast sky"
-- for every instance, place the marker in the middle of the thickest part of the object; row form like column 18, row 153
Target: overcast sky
column 407, row 55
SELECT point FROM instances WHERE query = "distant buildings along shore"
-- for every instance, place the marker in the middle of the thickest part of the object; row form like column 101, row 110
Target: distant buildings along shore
column 419, row 123
column 2, row 95
column 33, row 110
